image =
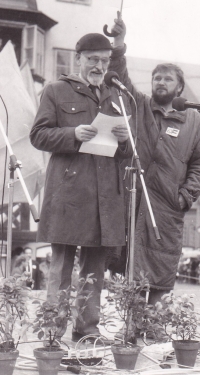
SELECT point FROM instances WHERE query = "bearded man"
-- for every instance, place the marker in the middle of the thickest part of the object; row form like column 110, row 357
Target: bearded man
column 83, row 199
column 168, row 144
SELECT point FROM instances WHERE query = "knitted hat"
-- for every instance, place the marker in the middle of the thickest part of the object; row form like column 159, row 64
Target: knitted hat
column 93, row 42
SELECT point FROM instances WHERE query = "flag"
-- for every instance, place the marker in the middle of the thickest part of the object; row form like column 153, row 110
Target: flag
column 17, row 112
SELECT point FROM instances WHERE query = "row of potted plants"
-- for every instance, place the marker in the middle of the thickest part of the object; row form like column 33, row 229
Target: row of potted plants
column 172, row 319
column 50, row 323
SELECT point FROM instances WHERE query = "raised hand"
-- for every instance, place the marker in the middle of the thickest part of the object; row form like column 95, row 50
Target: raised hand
column 120, row 28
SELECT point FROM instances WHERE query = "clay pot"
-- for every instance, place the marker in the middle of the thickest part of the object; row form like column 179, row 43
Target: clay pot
column 186, row 352
column 125, row 355
column 48, row 361
column 7, row 361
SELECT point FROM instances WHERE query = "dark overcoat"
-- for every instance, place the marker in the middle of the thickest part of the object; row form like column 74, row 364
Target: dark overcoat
column 83, row 198
column 171, row 166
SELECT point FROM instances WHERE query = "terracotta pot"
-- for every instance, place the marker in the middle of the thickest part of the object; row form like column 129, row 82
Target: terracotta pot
column 7, row 361
column 186, row 352
column 48, row 362
column 125, row 356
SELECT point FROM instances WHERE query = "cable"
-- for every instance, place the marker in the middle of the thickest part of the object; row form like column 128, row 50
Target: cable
column 3, row 189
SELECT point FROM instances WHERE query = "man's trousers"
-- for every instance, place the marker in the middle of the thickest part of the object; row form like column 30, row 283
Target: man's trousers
column 91, row 261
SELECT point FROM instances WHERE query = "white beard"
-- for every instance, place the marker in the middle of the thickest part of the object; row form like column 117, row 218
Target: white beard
column 96, row 81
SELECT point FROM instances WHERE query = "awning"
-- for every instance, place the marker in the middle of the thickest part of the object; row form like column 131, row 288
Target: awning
column 25, row 11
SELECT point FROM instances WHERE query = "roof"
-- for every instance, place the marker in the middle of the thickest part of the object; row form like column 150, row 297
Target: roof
column 25, row 11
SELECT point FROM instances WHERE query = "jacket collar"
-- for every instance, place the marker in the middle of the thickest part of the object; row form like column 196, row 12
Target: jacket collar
column 177, row 115
column 81, row 87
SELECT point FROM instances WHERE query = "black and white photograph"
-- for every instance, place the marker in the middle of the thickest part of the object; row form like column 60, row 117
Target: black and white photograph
column 99, row 187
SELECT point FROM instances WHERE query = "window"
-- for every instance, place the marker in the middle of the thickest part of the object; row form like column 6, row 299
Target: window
column 83, row 2
column 11, row 31
column 65, row 62
column 33, row 48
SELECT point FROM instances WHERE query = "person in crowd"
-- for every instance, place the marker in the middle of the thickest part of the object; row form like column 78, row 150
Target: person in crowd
column 168, row 145
column 83, row 200
column 32, row 267
column 20, row 265
column 14, row 256
column 44, row 268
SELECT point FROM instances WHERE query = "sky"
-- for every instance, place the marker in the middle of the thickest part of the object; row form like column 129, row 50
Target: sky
column 161, row 29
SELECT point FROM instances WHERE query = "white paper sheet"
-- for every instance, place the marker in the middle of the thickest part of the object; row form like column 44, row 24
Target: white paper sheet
column 104, row 143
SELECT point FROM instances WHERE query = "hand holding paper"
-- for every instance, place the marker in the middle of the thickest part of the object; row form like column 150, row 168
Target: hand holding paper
column 84, row 133
column 121, row 132
column 110, row 130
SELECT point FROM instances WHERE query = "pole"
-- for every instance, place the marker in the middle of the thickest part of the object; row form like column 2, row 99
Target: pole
column 120, row 14
column 140, row 171
column 133, row 198
column 132, row 226
column 14, row 165
column 10, row 215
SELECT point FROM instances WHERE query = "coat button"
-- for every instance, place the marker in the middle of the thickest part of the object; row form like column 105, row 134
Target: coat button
column 161, row 138
column 78, row 87
column 73, row 109
column 99, row 106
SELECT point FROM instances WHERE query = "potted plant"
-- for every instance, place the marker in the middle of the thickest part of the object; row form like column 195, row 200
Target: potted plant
column 52, row 319
column 130, row 303
column 13, row 317
column 177, row 321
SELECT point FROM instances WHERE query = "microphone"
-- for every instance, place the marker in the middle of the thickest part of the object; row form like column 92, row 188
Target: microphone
column 181, row 104
column 112, row 79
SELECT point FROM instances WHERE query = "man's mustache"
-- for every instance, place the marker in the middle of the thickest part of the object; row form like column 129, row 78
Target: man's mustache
column 97, row 71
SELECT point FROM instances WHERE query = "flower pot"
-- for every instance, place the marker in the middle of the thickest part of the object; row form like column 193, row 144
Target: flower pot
column 7, row 361
column 48, row 361
column 186, row 352
column 125, row 355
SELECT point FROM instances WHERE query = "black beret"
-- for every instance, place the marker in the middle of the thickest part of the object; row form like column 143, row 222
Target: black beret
column 93, row 42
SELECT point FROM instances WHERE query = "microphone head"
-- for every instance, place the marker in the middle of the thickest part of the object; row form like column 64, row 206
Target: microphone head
column 179, row 103
column 108, row 78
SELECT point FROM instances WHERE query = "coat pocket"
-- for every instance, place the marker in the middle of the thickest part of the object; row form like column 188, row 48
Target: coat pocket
column 165, row 189
column 73, row 114
column 73, row 108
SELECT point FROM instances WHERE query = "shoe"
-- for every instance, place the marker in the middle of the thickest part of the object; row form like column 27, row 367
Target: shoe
column 93, row 338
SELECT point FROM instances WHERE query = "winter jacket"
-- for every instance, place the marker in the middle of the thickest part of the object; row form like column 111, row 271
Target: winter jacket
column 171, row 166
column 83, row 198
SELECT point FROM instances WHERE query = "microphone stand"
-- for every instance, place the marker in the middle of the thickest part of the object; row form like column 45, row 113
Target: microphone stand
column 14, row 165
column 133, row 195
